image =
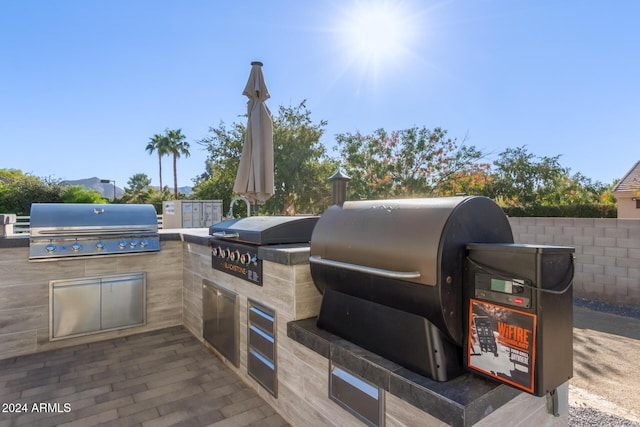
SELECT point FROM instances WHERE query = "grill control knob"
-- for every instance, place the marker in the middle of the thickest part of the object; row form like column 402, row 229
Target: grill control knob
column 122, row 244
column 50, row 247
column 76, row 246
column 214, row 251
column 245, row 258
column 222, row 253
column 234, row 256
column 226, row 253
column 133, row 243
column 100, row 246
column 144, row 243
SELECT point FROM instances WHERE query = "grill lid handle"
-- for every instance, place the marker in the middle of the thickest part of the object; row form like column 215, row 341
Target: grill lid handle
column 105, row 230
column 390, row 274
column 226, row 235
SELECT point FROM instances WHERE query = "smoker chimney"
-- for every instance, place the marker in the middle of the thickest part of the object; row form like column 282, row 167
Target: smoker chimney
column 339, row 187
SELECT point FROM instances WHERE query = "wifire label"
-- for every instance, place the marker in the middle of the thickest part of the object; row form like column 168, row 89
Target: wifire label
column 501, row 343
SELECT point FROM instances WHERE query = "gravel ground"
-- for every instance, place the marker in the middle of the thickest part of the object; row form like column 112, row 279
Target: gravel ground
column 619, row 309
column 587, row 409
column 581, row 416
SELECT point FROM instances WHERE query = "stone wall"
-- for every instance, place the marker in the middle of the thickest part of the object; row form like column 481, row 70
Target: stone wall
column 607, row 253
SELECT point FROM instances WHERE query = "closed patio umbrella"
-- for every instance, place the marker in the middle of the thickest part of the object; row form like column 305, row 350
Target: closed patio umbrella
column 255, row 176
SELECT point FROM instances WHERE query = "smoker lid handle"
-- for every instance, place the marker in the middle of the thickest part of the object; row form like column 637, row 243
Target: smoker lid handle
column 226, row 235
column 390, row 274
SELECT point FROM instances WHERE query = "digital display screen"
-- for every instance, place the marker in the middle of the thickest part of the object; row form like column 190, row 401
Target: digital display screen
column 514, row 286
column 504, row 286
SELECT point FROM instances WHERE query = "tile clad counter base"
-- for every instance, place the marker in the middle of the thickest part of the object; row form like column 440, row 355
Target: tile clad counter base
column 24, row 294
column 464, row 401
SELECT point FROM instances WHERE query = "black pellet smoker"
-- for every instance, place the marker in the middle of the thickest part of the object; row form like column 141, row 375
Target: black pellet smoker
column 438, row 286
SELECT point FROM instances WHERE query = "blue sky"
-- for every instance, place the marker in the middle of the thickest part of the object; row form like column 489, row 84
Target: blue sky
column 84, row 84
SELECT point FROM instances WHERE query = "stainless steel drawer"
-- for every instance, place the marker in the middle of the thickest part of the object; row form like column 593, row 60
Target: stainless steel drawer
column 261, row 345
column 261, row 317
column 263, row 371
column 262, row 342
column 356, row 395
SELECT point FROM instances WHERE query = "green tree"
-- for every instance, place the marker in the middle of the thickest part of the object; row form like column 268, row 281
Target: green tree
column 159, row 144
column 300, row 162
column 576, row 189
column 78, row 194
column 138, row 189
column 156, row 198
column 178, row 146
column 6, row 174
column 522, row 179
column 408, row 163
column 302, row 166
column 224, row 146
column 18, row 191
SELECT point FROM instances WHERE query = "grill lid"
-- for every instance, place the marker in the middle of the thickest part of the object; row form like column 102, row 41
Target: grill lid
column 405, row 254
column 61, row 230
column 266, row 230
column 410, row 237
column 56, row 219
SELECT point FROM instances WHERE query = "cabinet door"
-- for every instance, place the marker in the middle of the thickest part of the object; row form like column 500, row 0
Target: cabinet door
column 75, row 308
column 197, row 215
column 220, row 319
column 123, row 301
column 209, row 312
column 187, row 215
column 228, row 340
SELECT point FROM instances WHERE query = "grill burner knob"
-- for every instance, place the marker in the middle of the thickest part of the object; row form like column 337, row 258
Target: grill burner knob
column 76, row 247
column 122, row 244
column 223, row 253
column 50, row 247
column 100, row 246
column 234, row 256
column 214, row 251
column 245, row 258
column 144, row 243
column 133, row 243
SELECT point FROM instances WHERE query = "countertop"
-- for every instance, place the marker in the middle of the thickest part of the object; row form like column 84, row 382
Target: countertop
column 291, row 254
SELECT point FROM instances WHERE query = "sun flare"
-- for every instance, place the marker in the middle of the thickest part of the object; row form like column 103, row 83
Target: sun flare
column 377, row 34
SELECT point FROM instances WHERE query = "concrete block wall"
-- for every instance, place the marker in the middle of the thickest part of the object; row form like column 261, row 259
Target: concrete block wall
column 607, row 253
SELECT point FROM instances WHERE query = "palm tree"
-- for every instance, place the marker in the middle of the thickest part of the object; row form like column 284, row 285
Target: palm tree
column 159, row 144
column 177, row 146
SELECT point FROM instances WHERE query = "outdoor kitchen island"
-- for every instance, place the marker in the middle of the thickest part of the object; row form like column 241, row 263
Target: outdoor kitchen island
column 176, row 276
column 304, row 354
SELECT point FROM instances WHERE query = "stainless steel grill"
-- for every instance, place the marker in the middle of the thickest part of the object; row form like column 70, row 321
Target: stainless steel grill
column 62, row 230
column 235, row 243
